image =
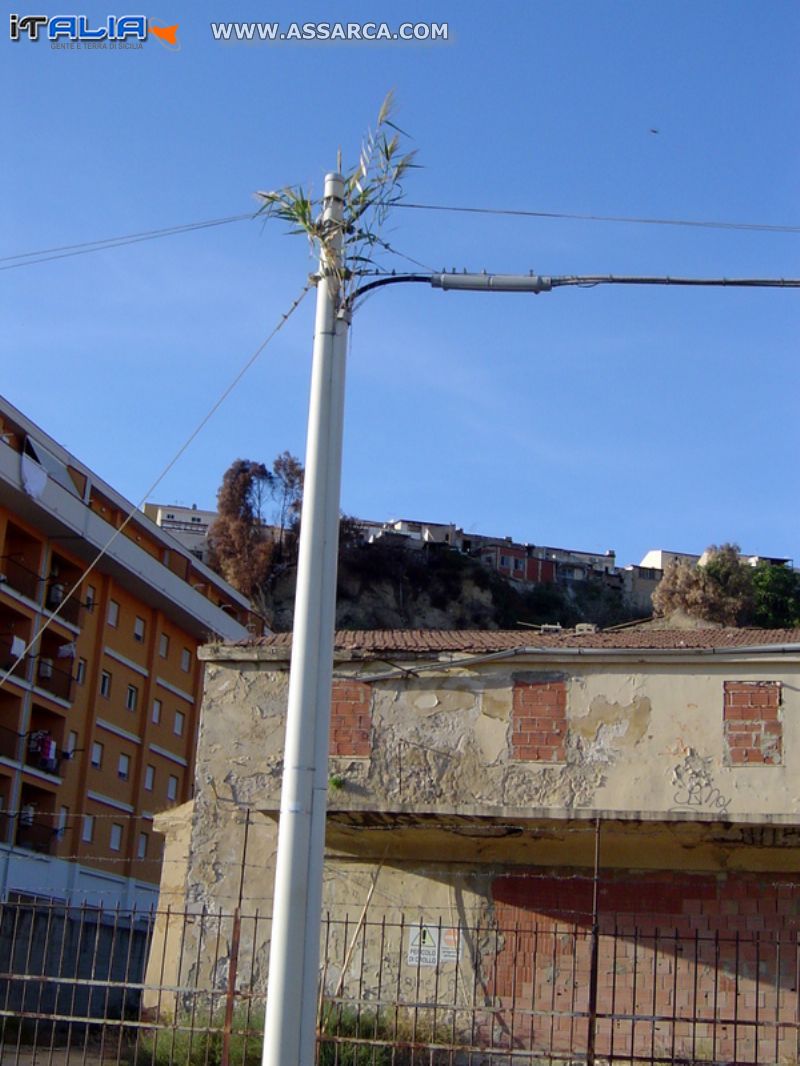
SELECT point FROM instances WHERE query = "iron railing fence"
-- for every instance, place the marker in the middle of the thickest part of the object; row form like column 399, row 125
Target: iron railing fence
column 20, row 577
column 85, row 986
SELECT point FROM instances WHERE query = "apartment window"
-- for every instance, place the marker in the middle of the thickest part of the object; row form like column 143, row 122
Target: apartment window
column 131, row 697
column 80, row 672
column 177, row 725
column 97, row 755
column 124, row 767
column 141, row 847
column 72, row 742
column 163, row 645
column 172, row 788
column 91, row 597
column 113, row 613
column 105, row 684
column 87, row 833
column 138, row 629
column 186, row 660
column 156, row 711
column 115, row 840
column 519, row 564
column 149, row 778
column 63, row 815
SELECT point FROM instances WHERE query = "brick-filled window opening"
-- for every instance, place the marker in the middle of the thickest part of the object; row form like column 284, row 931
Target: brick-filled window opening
column 539, row 721
column 351, row 719
column 689, row 950
column 752, row 725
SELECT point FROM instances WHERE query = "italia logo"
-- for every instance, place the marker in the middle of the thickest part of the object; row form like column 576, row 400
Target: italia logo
column 116, row 28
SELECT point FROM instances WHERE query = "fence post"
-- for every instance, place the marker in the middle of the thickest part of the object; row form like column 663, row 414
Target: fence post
column 591, row 1036
column 233, row 964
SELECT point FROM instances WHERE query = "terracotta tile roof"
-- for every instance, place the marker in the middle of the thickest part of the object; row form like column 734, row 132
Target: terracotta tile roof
column 435, row 641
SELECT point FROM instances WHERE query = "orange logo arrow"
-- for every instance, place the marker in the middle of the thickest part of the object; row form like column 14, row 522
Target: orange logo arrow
column 166, row 33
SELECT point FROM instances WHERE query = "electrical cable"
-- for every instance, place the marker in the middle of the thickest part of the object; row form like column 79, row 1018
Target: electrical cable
column 589, row 281
column 757, row 227
column 44, row 255
column 64, row 251
column 137, row 507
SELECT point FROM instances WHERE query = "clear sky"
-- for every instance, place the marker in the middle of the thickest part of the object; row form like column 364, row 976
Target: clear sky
column 590, row 418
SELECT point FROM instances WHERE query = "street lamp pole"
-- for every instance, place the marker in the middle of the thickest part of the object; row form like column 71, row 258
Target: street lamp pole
column 290, row 1023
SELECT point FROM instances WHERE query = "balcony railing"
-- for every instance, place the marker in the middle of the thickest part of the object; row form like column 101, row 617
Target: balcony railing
column 68, row 610
column 42, row 752
column 9, row 743
column 8, row 657
column 19, row 577
column 36, row 836
column 53, row 679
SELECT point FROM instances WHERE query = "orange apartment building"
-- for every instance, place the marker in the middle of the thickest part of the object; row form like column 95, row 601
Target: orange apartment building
column 99, row 712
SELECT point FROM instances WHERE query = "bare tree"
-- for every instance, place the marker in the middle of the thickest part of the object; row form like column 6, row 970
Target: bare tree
column 287, row 490
column 240, row 544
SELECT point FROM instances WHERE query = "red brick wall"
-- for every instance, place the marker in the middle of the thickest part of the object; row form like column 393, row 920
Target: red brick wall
column 539, row 721
column 351, row 719
column 751, row 722
column 707, row 956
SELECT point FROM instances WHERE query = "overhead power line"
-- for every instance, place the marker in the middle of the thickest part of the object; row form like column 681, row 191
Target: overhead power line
column 536, row 283
column 590, row 280
column 757, row 227
column 45, row 255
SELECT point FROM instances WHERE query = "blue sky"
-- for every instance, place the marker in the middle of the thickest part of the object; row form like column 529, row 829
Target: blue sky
column 595, row 418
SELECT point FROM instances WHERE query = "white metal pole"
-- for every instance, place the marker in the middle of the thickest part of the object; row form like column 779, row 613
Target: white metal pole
column 290, row 1024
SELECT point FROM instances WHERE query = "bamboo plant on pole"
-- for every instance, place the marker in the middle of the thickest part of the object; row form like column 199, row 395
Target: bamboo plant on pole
column 346, row 238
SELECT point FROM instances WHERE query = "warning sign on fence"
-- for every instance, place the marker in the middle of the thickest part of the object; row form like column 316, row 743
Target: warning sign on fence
column 448, row 948
column 429, row 945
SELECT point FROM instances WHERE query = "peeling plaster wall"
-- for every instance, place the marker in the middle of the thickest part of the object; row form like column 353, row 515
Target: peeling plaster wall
column 645, row 752
column 637, row 738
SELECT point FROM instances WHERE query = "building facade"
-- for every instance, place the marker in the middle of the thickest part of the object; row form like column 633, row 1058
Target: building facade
column 510, row 790
column 188, row 525
column 100, row 685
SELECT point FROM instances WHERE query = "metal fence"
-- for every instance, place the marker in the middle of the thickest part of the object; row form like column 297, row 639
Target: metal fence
column 86, row 986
